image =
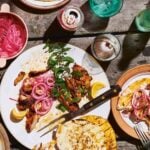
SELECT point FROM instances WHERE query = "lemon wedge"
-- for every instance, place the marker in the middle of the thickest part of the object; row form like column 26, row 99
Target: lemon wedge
column 17, row 114
column 95, row 88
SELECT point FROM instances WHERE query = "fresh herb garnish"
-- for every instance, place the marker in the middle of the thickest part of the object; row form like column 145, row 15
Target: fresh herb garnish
column 61, row 107
column 76, row 99
column 70, row 84
column 59, row 63
column 76, row 74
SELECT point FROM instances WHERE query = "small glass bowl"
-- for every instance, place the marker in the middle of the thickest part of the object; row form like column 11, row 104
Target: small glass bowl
column 105, row 47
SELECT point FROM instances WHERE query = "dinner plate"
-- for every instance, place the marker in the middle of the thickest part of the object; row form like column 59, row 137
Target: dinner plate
column 43, row 5
column 4, row 141
column 27, row 61
column 132, row 75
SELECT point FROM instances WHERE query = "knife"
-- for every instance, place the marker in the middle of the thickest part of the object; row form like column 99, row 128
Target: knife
column 113, row 91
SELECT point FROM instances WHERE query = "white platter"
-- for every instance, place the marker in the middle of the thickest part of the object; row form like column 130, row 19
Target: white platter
column 8, row 90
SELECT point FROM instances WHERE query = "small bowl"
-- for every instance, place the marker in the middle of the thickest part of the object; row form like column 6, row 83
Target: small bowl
column 13, row 35
column 43, row 5
column 105, row 47
column 4, row 140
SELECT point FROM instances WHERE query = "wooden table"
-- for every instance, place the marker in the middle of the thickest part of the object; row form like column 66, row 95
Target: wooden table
column 135, row 45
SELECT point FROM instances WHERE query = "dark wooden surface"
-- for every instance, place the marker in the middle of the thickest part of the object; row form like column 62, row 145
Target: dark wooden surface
column 135, row 45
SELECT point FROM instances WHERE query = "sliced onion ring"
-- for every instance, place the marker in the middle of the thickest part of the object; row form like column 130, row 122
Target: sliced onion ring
column 42, row 106
column 50, row 82
column 39, row 91
column 139, row 99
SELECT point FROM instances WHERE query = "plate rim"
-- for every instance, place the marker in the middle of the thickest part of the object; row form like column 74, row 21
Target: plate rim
column 31, row 49
column 43, row 7
column 121, row 81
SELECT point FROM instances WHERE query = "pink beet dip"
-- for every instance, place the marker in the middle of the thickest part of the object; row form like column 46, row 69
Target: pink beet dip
column 13, row 35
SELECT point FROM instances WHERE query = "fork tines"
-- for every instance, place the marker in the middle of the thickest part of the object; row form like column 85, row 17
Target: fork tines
column 53, row 124
column 143, row 136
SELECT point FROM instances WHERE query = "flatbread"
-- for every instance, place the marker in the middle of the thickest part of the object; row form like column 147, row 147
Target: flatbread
column 110, row 137
column 89, row 132
column 86, row 133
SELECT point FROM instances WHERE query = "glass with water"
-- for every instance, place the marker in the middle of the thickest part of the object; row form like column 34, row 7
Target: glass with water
column 143, row 20
column 105, row 8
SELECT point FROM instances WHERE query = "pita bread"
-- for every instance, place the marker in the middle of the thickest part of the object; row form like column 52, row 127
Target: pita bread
column 89, row 132
column 86, row 133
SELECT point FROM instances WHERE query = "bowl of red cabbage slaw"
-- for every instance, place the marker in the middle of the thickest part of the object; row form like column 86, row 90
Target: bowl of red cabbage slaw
column 13, row 34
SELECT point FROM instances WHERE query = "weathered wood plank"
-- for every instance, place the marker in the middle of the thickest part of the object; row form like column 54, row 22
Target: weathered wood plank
column 135, row 47
column 45, row 23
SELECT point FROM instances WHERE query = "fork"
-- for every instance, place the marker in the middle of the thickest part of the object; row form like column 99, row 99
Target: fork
column 144, row 137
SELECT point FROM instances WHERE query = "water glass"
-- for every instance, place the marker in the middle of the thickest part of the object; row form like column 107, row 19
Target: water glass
column 105, row 47
column 143, row 20
column 105, row 8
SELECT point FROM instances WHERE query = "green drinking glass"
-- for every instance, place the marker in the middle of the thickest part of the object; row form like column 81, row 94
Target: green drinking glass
column 142, row 20
column 105, row 8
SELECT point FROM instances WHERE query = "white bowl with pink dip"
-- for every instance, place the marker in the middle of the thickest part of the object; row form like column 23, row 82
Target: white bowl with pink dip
column 13, row 35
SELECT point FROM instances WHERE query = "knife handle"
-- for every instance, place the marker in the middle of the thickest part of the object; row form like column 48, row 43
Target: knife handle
column 104, row 97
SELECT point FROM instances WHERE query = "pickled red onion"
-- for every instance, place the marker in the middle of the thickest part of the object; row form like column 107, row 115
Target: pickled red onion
column 41, row 87
column 139, row 99
column 140, row 106
column 39, row 91
column 42, row 106
column 13, row 35
column 46, row 75
column 50, row 82
column 39, row 80
column 47, row 78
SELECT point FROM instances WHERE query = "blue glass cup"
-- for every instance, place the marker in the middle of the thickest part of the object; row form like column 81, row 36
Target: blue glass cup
column 105, row 8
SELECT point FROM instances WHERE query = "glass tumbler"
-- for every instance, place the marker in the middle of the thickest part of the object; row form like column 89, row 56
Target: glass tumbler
column 105, row 8
column 106, row 47
column 142, row 20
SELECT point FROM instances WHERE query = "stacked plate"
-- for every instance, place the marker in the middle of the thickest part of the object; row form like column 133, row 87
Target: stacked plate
column 44, row 4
